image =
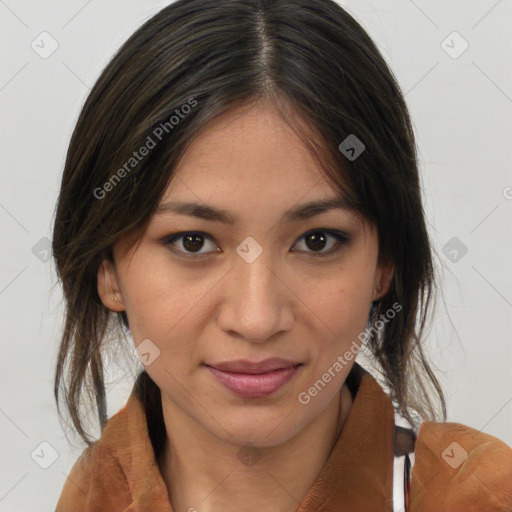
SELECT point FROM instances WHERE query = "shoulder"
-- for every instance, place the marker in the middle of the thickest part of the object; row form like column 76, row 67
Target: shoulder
column 459, row 468
column 96, row 478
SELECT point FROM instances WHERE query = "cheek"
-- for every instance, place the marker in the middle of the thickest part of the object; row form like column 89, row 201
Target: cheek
column 342, row 297
column 341, row 315
column 163, row 300
column 152, row 295
column 341, row 305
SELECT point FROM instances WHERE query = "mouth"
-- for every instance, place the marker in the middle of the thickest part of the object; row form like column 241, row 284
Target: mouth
column 254, row 380
column 252, row 367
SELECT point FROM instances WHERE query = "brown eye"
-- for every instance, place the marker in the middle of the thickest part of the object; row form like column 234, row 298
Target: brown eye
column 189, row 242
column 193, row 243
column 317, row 240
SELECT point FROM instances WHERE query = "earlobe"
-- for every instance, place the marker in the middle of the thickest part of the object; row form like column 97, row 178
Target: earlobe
column 384, row 277
column 108, row 287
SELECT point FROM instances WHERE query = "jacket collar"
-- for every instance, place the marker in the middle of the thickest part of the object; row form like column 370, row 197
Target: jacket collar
column 357, row 476
column 359, row 473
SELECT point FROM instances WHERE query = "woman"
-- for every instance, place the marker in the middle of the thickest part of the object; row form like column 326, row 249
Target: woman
column 241, row 193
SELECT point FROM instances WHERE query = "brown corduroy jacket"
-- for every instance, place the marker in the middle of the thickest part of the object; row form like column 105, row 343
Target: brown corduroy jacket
column 456, row 468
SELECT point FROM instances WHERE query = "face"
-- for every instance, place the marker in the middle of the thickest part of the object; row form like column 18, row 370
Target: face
column 264, row 285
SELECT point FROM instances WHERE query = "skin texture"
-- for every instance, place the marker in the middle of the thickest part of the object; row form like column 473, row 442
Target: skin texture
column 217, row 307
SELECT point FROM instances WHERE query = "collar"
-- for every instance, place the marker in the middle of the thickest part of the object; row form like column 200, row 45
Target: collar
column 357, row 476
column 359, row 473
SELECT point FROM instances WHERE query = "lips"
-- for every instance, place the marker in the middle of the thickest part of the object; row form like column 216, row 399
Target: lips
column 254, row 379
column 243, row 366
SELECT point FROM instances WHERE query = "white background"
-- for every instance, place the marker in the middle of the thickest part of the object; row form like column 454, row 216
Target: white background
column 462, row 113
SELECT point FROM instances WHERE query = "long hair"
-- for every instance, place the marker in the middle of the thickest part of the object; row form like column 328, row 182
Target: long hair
column 191, row 62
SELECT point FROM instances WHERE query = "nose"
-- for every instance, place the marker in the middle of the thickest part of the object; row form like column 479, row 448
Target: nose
column 256, row 303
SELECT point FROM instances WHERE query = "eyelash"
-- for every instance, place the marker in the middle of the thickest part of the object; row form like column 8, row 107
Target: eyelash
column 341, row 238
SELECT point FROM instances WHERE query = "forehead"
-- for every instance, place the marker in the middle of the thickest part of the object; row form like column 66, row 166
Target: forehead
column 250, row 151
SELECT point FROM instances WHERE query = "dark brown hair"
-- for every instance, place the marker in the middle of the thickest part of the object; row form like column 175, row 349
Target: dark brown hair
column 313, row 61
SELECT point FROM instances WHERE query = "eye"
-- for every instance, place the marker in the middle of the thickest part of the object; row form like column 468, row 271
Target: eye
column 191, row 243
column 318, row 238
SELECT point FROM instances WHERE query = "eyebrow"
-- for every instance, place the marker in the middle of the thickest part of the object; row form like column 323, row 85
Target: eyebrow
column 297, row 213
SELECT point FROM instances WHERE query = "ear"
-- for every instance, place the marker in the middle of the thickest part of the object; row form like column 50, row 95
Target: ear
column 108, row 287
column 383, row 277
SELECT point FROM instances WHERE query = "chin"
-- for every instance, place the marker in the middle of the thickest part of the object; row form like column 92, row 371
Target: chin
column 255, row 429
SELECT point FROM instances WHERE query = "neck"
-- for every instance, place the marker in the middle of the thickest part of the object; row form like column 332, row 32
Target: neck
column 204, row 473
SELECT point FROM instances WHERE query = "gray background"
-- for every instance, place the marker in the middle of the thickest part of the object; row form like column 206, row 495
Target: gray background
column 461, row 107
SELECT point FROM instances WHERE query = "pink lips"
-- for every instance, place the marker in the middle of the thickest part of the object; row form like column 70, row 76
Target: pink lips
column 251, row 379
